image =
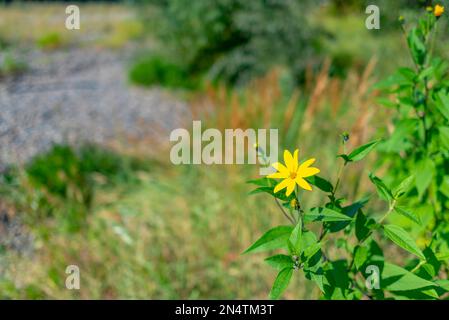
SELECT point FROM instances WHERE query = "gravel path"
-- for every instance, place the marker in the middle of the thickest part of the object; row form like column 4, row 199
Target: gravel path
column 79, row 95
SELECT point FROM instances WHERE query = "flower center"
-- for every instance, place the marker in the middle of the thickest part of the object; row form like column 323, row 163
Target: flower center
column 293, row 175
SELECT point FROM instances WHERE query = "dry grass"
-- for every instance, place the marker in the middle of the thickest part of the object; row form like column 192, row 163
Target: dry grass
column 101, row 24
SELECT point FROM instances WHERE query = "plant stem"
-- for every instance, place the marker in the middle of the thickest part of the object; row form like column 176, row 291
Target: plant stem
column 420, row 264
column 283, row 211
column 390, row 209
column 340, row 172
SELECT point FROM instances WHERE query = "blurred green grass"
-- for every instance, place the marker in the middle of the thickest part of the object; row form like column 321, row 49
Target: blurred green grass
column 149, row 232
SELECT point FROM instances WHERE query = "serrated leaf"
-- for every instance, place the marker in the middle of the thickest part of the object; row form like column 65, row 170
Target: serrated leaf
column 349, row 211
column 395, row 278
column 383, row 191
column 296, row 239
column 408, row 213
column 280, row 261
column 281, row 283
column 362, row 151
column 404, row 187
column 325, row 215
column 275, row 238
column 360, row 256
column 403, row 239
column 318, row 279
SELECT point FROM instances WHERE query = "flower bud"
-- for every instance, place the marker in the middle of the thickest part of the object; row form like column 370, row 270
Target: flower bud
column 438, row 11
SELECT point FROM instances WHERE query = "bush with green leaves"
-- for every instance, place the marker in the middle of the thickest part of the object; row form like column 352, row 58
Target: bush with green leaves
column 235, row 40
column 10, row 65
column 159, row 71
column 350, row 250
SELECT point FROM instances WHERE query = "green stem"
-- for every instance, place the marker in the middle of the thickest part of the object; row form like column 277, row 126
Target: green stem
column 390, row 209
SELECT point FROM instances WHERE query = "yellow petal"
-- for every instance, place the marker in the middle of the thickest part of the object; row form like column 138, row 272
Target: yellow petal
column 307, row 172
column 283, row 184
column 290, row 187
column 295, row 160
column 303, row 183
column 281, row 168
column 277, row 175
column 306, row 164
column 288, row 160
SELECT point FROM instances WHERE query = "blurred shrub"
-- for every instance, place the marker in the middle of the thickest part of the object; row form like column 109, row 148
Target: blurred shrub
column 50, row 41
column 158, row 71
column 57, row 171
column 10, row 65
column 235, row 40
column 60, row 183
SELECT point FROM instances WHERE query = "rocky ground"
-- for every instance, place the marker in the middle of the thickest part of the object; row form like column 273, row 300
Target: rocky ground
column 79, row 95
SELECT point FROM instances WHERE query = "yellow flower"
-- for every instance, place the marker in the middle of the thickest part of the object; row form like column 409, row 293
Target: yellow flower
column 438, row 11
column 293, row 173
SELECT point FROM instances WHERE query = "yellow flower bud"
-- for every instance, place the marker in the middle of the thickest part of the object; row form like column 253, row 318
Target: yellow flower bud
column 294, row 204
column 438, row 11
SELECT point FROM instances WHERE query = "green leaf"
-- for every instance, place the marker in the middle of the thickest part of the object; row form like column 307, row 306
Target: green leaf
column 403, row 239
column 417, row 47
column 362, row 151
column 326, row 215
column 362, row 226
column 263, row 182
column 444, row 186
column 295, row 239
column 408, row 213
column 280, row 261
column 444, row 284
column 424, row 175
column 426, row 73
column 270, row 190
column 395, row 278
column 318, row 278
column 349, row 211
column 444, row 136
column 360, row 256
column 275, row 238
column 320, row 183
column 443, row 104
column 312, row 250
column 404, row 187
column 383, row 191
column 408, row 73
column 281, row 283
column 443, row 256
